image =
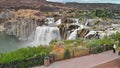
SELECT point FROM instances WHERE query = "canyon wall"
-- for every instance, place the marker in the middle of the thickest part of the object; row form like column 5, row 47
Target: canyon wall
column 21, row 23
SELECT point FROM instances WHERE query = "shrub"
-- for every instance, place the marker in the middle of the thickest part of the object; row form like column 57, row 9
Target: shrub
column 96, row 50
column 58, row 51
column 80, row 51
column 67, row 54
column 116, row 37
column 93, row 43
column 71, row 41
column 24, row 58
column 96, row 45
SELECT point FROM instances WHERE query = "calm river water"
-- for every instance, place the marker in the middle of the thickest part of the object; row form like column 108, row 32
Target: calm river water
column 9, row 43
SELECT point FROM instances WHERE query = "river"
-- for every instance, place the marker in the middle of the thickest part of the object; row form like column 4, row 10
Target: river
column 9, row 43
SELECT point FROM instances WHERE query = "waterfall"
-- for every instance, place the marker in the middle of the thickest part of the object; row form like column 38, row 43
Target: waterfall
column 88, row 21
column 90, row 33
column 73, row 35
column 51, row 22
column 58, row 22
column 44, row 35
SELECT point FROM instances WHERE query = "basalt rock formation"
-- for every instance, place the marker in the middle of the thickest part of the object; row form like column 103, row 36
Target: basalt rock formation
column 21, row 23
column 22, row 28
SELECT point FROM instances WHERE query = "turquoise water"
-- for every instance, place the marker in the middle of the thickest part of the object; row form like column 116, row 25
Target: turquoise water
column 9, row 43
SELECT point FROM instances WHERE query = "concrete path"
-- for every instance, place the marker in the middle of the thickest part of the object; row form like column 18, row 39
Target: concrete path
column 85, row 61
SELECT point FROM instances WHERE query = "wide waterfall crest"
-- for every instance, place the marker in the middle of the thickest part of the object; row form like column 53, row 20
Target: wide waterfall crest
column 44, row 35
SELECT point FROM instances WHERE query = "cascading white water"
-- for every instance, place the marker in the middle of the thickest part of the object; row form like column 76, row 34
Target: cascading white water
column 73, row 35
column 44, row 35
column 90, row 33
column 51, row 22
column 58, row 22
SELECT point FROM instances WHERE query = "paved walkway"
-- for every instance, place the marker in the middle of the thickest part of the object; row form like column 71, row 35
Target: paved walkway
column 85, row 61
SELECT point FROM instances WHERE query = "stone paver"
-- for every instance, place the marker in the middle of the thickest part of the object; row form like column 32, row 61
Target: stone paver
column 85, row 61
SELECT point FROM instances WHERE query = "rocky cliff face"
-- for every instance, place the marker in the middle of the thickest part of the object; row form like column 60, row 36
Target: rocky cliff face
column 22, row 28
column 21, row 23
